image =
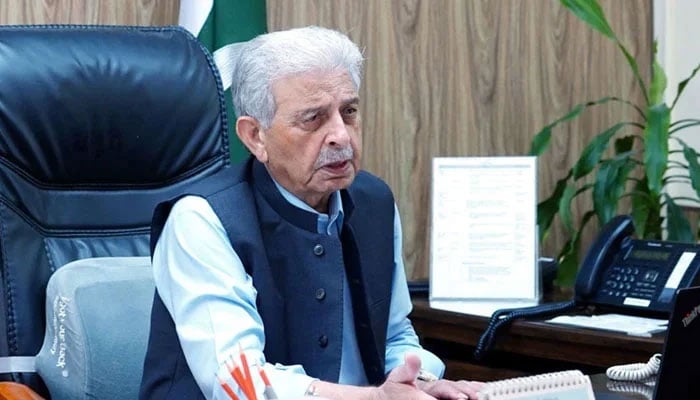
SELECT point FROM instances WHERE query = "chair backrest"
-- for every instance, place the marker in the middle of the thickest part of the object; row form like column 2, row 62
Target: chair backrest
column 98, row 124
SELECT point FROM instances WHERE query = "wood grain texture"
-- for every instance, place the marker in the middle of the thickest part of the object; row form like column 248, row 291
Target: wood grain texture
column 475, row 78
column 529, row 347
column 99, row 12
column 443, row 78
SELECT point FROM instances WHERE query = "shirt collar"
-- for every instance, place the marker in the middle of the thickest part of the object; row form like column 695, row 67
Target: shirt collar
column 325, row 222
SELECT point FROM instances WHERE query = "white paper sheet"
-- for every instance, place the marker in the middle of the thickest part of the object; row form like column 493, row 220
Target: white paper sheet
column 484, row 236
column 629, row 324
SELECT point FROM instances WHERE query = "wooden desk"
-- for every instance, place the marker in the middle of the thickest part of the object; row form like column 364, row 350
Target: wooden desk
column 524, row 348
column 605, row 389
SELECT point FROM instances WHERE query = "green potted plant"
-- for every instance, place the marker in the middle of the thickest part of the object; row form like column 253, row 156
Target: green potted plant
column 625, row 168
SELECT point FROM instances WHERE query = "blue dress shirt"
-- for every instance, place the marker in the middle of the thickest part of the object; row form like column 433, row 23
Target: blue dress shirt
column 204, row 286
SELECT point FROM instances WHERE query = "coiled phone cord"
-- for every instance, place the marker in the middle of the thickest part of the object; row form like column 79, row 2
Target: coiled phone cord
column 505, row 316
column 645, row 390
column 638, row 372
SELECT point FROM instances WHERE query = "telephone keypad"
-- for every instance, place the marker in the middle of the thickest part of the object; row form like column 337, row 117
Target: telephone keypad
column 631, row 281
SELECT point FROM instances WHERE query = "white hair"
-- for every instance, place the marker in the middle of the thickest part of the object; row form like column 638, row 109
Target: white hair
column 274, row 55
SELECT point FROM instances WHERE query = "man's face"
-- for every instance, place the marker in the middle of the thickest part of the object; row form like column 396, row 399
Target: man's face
column 313, row 146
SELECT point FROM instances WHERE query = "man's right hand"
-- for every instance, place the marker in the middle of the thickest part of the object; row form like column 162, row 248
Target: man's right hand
column 401, row 382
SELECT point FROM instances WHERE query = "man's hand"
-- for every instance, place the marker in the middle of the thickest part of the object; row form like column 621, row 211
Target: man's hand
column 443, row 389
column 401, row 382
column 452, row 390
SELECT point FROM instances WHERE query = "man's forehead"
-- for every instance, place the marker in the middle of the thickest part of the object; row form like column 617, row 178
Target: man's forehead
column 315, row 87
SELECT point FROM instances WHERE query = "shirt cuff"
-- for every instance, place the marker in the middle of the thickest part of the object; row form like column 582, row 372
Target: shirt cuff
column 289, row 381
column 430, row 362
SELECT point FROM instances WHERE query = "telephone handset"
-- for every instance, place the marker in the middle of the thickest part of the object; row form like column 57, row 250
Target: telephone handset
column 600, row 254
column 618, row 273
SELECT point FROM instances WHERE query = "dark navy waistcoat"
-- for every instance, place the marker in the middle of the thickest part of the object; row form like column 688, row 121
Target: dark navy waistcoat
column 298, row 274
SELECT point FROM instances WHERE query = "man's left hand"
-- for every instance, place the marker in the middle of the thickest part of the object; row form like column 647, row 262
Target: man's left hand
column 451, row 390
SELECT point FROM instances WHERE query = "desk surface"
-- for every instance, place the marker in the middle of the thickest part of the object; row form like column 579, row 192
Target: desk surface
column 524, row 348
column 606, row 389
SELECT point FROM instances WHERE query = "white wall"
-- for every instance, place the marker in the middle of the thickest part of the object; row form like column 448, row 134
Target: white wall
column 677, row 29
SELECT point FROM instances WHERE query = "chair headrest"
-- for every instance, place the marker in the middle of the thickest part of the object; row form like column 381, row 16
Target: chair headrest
column 78, row 103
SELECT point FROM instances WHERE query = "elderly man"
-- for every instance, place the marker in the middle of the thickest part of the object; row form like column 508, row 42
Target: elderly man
column 295, row 255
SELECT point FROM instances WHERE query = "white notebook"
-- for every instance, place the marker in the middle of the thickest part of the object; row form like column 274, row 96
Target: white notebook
column 563, row 385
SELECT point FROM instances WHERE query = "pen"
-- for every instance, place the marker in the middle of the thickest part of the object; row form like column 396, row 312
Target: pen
column 246, row 371
column 269, row 391
column 238, row 377
column 227, row 389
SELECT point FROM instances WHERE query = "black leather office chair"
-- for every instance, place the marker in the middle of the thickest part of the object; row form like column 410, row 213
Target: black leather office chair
column 97, row 125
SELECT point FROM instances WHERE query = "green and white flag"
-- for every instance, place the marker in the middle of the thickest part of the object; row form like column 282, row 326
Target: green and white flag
column 218, row 24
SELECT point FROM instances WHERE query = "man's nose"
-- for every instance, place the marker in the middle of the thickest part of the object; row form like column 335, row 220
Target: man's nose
column 338, row 133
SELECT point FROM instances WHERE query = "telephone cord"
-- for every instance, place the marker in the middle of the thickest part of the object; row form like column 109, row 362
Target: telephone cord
column 506, row 316
column 638, row 372
column 643, row 389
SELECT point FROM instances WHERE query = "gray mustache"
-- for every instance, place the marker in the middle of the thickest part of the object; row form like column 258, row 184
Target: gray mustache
column 330, row 156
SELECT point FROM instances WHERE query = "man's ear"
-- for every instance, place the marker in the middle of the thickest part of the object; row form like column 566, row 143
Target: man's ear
column 251, row 134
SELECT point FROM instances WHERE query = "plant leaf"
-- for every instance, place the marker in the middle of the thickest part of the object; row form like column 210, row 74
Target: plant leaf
column 565, row 207
column 677, row 224
column 591, row 155
column 658, row 82
column 609, row 186
column 656, row 145
column 548, row 208
column 590, row 12
column 641, row 207
column 635, row 70
column 681, row 124
column 541, row 140
column 691, row 156
column 568, row 262
column 569, row 256
column 565, row 204
column 683, row 84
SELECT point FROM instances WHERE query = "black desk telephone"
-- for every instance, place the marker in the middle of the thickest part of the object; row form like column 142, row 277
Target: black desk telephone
column 619, row 274
column 636, row 276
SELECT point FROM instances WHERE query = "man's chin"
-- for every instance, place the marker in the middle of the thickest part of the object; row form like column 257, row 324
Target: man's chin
column 333, row 183
column 344, row 182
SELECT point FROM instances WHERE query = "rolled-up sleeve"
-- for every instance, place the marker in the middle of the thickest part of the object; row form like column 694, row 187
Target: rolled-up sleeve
column 211, row 299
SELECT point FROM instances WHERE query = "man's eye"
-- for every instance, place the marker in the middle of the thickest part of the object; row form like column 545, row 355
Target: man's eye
column 310, row 122
column 350, row 111
column 311, row 118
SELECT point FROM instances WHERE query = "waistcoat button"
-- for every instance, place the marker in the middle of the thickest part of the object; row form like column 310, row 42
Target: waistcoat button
column 318, row 250
column 320, row 294
column 323, row 341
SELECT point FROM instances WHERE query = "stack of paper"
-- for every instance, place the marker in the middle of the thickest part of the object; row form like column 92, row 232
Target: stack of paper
column 631, row 325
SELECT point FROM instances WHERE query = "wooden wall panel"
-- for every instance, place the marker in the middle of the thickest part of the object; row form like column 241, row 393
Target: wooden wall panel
column 474, row 78
column 443, row 78
column 101, row 12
